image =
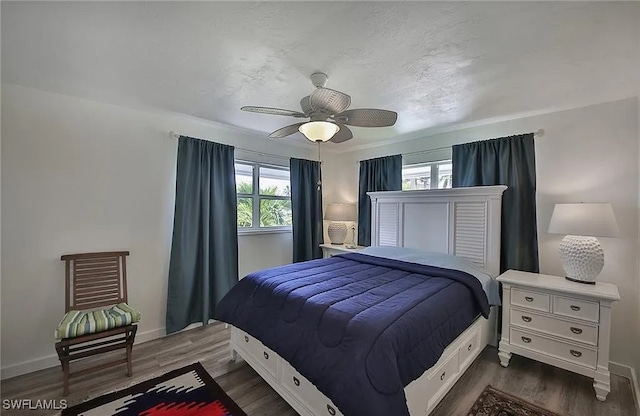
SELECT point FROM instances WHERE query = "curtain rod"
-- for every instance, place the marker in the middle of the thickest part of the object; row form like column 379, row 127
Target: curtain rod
column 174, row 135
column 538, row 134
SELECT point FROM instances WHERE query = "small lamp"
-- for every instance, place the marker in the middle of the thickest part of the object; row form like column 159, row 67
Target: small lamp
column 339, row 212
column 580, row 251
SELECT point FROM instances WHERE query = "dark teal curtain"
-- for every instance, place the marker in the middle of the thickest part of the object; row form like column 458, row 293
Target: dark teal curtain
column 379, row 174
column 506, row 161
column 306, row 209
column 204, row 250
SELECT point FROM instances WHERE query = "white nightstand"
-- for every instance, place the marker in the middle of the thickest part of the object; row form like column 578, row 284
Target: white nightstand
column 558, row 322
column 329, row 250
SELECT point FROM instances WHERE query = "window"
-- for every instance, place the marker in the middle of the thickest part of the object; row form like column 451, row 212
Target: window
column 264, row 197
column 433, row 175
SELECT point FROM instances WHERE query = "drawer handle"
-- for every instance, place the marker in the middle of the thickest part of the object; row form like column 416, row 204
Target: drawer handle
column 526, row 339
column 331, row 410
column 528, row 298
column 576, row 330
column 469, row 347
column 296, row 381
column 266, row 355
column 442, row 375
column 575, row 353
column 246, row 338
column 526, row 318
column 575, row 308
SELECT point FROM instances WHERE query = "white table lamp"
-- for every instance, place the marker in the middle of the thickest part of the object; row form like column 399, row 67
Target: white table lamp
column 340, row 213
column 580, row 251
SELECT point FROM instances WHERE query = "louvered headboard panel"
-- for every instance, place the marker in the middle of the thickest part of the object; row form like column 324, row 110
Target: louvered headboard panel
column 388, row 224
column 460, row 221
column 471, row 231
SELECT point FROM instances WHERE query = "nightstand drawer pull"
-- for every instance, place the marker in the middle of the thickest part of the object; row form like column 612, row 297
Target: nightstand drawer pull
column 442, row 375
column 575, row 308
column 469, row 347
column 526, row 318
column 266, row 355
column 296, row 381
column 331, row 410
column 576, row 330
column 575, row 353
column 246, row 338
column 528, row 298
column 526, row 339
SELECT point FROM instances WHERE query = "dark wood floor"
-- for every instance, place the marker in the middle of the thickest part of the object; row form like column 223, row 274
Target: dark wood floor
column 558, row 390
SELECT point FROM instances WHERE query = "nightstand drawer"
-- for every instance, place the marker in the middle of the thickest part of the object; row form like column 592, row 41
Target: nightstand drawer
column 576, row 308
column 555, row 326
column 542, row 345
column 529, row 299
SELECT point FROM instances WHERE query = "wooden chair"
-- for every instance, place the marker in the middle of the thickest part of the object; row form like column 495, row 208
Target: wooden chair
column 95, row 281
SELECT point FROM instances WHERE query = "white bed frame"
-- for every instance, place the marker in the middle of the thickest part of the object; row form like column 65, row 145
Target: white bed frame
column 461, row 221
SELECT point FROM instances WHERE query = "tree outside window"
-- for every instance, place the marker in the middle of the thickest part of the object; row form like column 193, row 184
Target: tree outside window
column 268, row 205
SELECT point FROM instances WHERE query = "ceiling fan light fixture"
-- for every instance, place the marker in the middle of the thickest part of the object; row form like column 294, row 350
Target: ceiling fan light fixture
column 319, row 130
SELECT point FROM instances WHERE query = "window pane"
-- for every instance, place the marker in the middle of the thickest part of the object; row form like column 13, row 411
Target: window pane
column 274, row 182
column 244, row 178
column 444, row 175
column 275, row 212
column 245, row 212
column 416, row 177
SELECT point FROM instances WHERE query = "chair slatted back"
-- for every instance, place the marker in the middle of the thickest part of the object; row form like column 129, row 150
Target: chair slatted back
column 94, row 280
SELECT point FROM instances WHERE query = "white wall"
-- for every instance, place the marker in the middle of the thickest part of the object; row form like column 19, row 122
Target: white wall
column 637, row 366
column 588, row 154
column 80, row 176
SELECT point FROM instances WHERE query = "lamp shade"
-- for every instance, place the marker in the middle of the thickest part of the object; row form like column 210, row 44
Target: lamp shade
column 319, row 130
column 594, row 220
column 340, row 212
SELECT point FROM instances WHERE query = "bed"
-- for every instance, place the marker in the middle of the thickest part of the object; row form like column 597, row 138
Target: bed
column 386, row 331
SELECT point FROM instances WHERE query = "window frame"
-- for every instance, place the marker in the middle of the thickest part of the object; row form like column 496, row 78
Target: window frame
column 256, row 197
column 434, row 172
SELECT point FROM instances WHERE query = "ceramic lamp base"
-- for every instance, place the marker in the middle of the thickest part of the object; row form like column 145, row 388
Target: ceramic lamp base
column 337, row 232
column 582, row 258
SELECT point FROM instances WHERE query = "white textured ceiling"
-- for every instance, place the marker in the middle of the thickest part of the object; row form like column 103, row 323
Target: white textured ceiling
column 436, row 64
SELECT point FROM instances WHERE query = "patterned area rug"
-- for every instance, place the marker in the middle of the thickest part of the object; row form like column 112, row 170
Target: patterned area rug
column 492, row 402
column 184, row 392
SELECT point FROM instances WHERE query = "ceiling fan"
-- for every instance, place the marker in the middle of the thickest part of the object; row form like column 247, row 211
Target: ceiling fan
column 328, row 115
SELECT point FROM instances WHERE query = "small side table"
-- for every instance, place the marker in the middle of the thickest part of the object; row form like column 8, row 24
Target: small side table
column 558, row 322
column 329, row 250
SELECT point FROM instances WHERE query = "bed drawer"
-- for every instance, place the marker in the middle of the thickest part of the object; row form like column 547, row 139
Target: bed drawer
column 439, row 378
column 299, row 386
column 324, row 406
column 576, row 308
column 529, row 299
column 265, row 357
column 555, row 326
column 565, row 351
column 469, row 348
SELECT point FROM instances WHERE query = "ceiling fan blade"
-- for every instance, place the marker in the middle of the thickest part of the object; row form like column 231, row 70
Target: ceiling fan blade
column 342, row 135
column 305, row 104
column 332, row 101
column 273, row 111
column 285, row 131
column 367, row 117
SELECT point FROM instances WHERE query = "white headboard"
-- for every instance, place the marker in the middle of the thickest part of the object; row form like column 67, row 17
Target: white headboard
column 460, row 221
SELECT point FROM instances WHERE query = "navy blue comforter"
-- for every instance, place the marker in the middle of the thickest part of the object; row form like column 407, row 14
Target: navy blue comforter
column 359, row 327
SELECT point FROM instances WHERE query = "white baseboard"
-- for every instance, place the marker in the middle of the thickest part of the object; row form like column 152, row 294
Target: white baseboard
column 30, row 366
column 630, row 373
